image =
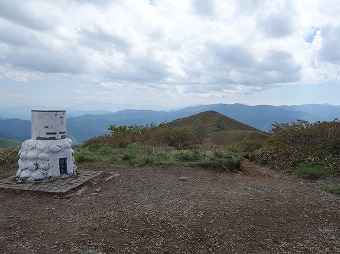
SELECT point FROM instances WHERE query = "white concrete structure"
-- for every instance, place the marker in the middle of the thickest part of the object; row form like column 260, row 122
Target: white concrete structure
column 48, row 154
column 48, row 125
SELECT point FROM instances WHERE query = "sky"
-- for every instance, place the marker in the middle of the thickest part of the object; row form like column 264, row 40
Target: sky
column 168, row 53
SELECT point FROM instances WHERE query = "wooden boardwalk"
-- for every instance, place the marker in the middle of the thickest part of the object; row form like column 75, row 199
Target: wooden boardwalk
column 57, row 186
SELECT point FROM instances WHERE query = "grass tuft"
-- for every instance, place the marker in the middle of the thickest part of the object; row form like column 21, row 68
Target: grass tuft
column 332, row 189
column 312, row 171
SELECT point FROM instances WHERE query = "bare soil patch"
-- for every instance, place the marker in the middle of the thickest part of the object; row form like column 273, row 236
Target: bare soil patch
column 154, row 211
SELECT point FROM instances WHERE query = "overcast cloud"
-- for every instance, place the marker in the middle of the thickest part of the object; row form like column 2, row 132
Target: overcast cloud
column 194, row 51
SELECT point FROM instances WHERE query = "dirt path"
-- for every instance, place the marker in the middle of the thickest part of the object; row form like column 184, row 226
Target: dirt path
column 152, row 211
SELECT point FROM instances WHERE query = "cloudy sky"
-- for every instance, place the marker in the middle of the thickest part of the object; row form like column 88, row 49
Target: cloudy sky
column 169, row 53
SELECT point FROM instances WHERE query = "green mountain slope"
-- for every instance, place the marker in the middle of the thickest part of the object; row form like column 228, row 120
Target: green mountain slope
column 218, row 128
column 7, row 141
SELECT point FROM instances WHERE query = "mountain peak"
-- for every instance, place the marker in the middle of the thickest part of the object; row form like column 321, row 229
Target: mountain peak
column 211, row 120
column 217, row 127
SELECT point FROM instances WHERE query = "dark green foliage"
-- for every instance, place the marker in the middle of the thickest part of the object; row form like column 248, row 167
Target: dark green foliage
column 312, row 171
column 128, row 157
column 85, row 156
column 184, row 156
column 150, row 135
column 332, row 189
column 105, row 150
column 122, row 136
column 9, row 143
column 226, row 160
column 180, row 137
column 156, row 160
column 94, row 147
column 250, row 146
column 113, row 159
column 138, row 155
column 222, row 163
column 187, row 155
column 302, row 143
column 8, row 161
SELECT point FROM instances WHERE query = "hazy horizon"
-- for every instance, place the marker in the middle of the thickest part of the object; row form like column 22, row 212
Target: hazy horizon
column 24, row 111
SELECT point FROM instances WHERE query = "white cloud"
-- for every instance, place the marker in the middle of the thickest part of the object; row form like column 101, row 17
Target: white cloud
column 172, row 48
column 202, row 7
column 276, row 26
column 17, row 74
column 330, row 49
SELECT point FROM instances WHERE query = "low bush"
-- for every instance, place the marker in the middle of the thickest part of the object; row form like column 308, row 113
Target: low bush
column 85, row 156
column 249, row 146
column 113, row 159
column 302, row 143
column 106, row 150
column 188, row 155
column 228, row 159
column 332, row 189
column 94, row 147
column 139, row 154
column 8, row 161
column 312, row 171
column 156, row 160
column 222, row 163
column 128, row 157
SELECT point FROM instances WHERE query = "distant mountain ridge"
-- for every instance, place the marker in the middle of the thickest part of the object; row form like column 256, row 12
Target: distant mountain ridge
column 260, row 117
column 15, row 128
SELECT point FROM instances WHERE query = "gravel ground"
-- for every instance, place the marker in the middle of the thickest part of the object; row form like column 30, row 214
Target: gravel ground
column 155, row 211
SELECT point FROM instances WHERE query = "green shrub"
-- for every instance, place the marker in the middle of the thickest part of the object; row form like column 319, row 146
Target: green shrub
column 222, row 163
column 302, row 143
column 8, row 161
column 137, row 153
column 8, row 156
column 128, row 157
column 94, row 147
column 156, row 160
column 228, row 160
column 196, row 155
column 332, row 189
column 250, row 146
column 133, row 149
column 312, row 172
column 113, row 159
column 218, row 154
column 229, row 153
column 149, row 160
column 162, row 156
column 183, row 156
column 105, row 150
column 187, row 155
column 232, row 150
column 85, row 156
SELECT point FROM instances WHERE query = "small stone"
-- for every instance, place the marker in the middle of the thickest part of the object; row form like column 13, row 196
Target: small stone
column 112, row 176
column 183, row 178
column 116, row 175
